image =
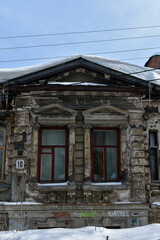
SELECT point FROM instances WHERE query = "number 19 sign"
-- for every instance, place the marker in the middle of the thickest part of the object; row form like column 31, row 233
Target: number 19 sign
column 20, row 164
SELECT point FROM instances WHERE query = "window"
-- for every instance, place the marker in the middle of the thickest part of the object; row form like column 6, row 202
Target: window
column 105, row 152
column 2, row 152
column 53, row 152
column 153, row 145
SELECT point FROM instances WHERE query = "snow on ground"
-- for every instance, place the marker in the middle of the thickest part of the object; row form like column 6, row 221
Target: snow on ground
column 149, row 232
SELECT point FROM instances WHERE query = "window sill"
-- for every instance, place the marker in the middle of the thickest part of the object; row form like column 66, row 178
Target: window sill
column 104, row 186
column 55, row 186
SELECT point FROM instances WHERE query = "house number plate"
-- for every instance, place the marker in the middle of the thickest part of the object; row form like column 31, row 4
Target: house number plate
column 20, row 164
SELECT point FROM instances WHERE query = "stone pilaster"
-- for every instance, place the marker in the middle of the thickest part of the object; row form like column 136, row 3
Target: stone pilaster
column 137, row 156
column 87, row 153
column 71, row 159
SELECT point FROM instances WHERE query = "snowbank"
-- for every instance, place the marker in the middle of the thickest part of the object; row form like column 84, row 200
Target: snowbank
column 149, row 232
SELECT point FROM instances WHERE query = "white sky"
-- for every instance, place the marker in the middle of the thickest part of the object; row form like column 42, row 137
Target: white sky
column 20, row 17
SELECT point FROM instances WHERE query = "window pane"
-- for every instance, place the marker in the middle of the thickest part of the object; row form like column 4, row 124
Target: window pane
column 46, row 167
column 111, row 163
column 99, row 168
column 46, row 150
column 111, row 138
column 59, row 164
column 152, row 139
column 1, row 162
column 105, row 137
column 1, row 137
column 153, row 164
column 53, row 137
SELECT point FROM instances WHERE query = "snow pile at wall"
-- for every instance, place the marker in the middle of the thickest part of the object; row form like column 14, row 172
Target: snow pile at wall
column 149, row 232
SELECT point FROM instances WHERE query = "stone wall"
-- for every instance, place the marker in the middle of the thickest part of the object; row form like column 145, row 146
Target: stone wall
column 79, row 112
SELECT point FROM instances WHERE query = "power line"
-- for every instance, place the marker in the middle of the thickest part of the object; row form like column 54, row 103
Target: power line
column 96, row 53
column 127, row 59
column 80, row 42
column 79, row 32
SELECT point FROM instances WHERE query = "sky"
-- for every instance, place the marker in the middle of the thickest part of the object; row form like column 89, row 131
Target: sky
column 39, row 17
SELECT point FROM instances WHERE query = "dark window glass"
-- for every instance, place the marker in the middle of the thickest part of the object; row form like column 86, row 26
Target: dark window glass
column 153, row 155
column 105, row 155
column 2, row 152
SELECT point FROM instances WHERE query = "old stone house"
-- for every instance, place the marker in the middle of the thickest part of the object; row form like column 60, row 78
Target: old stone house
column 79, row 144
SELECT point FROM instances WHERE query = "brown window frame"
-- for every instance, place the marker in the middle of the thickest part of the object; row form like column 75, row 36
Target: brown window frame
column 117, row 146
column 40, row 147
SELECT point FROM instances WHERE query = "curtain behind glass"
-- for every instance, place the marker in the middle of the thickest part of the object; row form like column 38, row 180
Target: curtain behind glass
column 111, row 163
column 105, row 137
column 46, row 167
column 99, row 167
column 59, row 164
column 53, row 137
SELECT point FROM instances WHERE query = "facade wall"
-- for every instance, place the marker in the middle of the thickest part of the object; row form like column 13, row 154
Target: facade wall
column 118, row 204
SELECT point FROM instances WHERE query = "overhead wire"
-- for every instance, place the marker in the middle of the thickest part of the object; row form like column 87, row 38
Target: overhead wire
column 79, row 42
column 79, row 32
column 101, row 53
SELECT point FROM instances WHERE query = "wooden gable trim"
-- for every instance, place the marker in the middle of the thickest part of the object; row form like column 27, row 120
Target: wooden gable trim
column 76, row 63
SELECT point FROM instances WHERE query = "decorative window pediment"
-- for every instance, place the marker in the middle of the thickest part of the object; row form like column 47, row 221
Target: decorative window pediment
column 104, row 114
column 54, row 114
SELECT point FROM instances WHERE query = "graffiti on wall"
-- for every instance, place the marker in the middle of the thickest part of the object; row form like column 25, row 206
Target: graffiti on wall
column 118, row 214
column 75, row 214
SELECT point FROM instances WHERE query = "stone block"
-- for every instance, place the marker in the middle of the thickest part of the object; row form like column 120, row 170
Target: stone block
column 79, row 177
column 137, row 139
column 79, row 154
column 79, row 138
column 137, row 169
column 139, row 185
column 137, row 177
column 16, row 138
column 138, row 154
column 137, row 132
column 79, row 123
column 19, row 130
column 138, row 195
column 79, row 161
column 21, row 122
column 79, row 131
column 79, row 146
column 138, row 161
column 87, row 153
column 78, row 169
column 138, row 146
column 87, row 172
column 136, row 116
column 33, row 171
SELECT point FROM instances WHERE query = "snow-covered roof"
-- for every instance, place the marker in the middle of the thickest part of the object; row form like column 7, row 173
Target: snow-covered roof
column 143, row 73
